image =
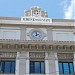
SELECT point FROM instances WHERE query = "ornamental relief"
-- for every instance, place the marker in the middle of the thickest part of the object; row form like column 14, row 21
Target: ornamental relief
column 40, row 47
column 1, row 45
column 65, row 55
column 37, row 55
column 8, row 55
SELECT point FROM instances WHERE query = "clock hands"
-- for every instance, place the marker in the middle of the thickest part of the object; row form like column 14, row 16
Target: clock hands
column 37, row 33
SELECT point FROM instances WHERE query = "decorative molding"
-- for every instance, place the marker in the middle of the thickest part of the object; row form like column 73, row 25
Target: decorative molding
column 58, row 47
column 39, row 30
column 22, row 46
column 65, row 55
column 19, row 45
column 43, row 46
column 16, row 46
column 1, row 46
column 50, row 47
column 37, row 46
column 30, row 46
column 8, row 54
column 8, row 46
column 72, row 47
column 37, row 55
column 36, row 12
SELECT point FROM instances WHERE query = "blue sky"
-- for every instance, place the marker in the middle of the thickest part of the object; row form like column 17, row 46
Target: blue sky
column 55, row 8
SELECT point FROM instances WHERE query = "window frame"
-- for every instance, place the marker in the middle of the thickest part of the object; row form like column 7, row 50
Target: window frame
column 11, row 65
column 34, row 67
column 68, row 62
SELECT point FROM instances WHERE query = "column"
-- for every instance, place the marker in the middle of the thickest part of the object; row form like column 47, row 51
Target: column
column 74, row 62
column 56, row 64
column 27, row 64
column 21, row 63
column 53, row 64
column 46, row 64
column 17, row 64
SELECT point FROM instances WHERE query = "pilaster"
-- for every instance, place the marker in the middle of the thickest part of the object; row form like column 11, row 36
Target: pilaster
column 27, row 64
column 74, row 62
column 17, row 64
column 21, row 63
column 56, row 64
column 53, row 64
column 46, row 64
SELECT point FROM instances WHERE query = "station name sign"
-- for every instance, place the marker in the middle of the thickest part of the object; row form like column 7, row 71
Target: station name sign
column 34, row 19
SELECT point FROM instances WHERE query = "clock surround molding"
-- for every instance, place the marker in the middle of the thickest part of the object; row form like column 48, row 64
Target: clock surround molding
column 39, row 30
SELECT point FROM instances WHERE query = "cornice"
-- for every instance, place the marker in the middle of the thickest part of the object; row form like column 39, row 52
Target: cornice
column 10, row 18
column 53, row 26
column 53, row 19
column 16, row 22
column 14, row 41
column 44, row 46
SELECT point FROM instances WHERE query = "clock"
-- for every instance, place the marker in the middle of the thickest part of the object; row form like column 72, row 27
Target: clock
column 36, row 35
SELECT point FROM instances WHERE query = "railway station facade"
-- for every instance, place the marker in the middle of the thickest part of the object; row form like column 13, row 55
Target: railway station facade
column 37, row 45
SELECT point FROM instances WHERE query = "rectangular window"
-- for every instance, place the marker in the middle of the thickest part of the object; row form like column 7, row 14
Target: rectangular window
column 37, row 67
column 13, row 67
column 7, row 67
column 66, row 68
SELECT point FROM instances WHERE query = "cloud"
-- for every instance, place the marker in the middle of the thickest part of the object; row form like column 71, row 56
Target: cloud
column 69, row 9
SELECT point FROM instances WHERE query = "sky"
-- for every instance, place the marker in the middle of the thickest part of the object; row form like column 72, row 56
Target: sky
column 55, row 8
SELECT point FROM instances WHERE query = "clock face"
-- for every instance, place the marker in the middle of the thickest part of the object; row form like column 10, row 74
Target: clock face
column 36, row 35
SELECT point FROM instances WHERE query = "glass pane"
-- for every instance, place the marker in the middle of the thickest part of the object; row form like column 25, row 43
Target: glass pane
column 2, row 67
column 7, row 67
column 71, row 68
column 60, row 68
column 31, row 67
column 37, row 67
column 13, row 67
column 66, row 68
column 42, row 68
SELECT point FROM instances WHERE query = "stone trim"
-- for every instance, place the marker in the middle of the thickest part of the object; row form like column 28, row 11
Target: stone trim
column 39, row 30
column 37, row 55
column 14, row 41
column 8, row 54
column 10, row 18
column 65, row 56
column 34, row 47
column 17, row 45
column 17, row 23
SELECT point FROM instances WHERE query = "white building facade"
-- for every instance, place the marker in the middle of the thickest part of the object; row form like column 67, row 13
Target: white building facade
column 37, row 45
